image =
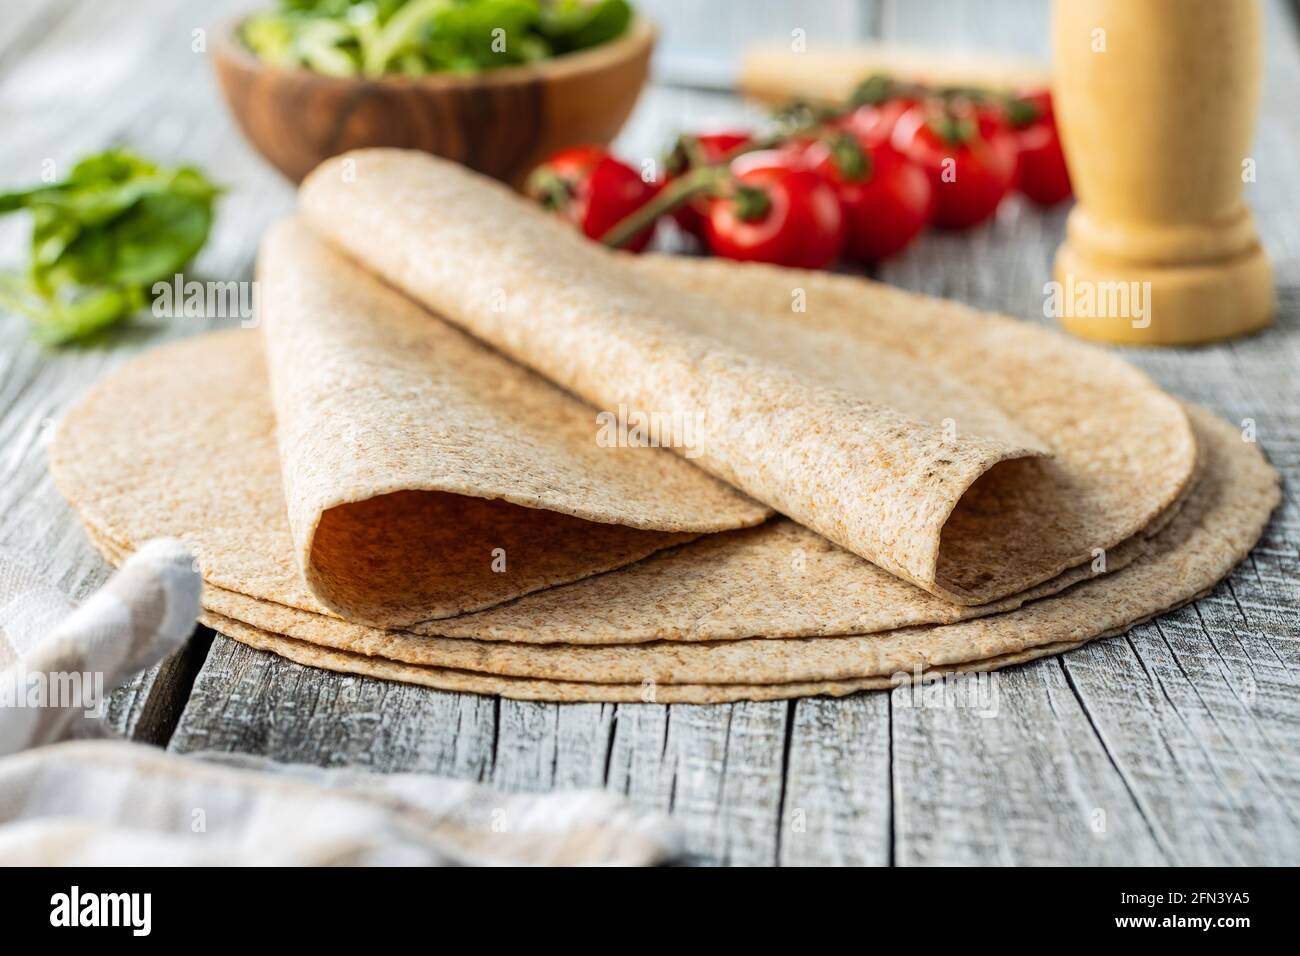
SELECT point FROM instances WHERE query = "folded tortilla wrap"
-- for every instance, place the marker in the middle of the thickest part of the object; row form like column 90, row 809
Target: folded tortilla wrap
column 888, row 457
column 425, row 475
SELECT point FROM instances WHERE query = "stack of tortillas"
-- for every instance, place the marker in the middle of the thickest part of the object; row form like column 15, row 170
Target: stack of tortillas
column 470, row 449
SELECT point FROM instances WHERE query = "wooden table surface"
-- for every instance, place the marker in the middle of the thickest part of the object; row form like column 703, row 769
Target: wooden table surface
column 1178, row 743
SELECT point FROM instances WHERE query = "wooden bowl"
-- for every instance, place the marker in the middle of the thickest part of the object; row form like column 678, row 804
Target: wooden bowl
column 501, row 122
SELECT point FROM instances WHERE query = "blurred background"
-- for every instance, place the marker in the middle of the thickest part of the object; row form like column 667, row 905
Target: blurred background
column 77, row 76
column 702, row 42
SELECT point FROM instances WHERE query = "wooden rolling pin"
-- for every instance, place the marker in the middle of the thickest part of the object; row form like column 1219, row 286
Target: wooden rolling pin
column 776, row 74
column 1156, row 102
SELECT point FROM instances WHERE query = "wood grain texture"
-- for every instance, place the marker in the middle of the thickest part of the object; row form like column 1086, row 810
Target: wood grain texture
column 1184, row 734
column 838, row 803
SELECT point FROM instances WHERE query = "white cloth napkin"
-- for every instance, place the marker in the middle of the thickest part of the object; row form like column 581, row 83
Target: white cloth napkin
column 97, row 802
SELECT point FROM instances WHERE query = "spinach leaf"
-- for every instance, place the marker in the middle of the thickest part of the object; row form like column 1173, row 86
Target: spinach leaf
column 101, row 238
column 573, row 25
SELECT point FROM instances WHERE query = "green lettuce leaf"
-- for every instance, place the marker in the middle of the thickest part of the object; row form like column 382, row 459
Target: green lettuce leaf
column 413, row 37
column 101, row 238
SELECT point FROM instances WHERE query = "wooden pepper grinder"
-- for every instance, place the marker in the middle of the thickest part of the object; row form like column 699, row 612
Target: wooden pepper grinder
column 1156, row 102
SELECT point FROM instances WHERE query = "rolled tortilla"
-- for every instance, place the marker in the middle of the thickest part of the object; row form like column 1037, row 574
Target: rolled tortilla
column 1123, row 449
column 891, row 458
column 866, row 447
column 425, row 475
column 223, row 495
column 210, row 473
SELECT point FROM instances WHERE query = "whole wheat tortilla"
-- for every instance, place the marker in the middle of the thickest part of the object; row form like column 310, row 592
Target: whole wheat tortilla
column 1123, row 449
column 180, row 441
column 412, row 456
column 208, row 472
column 1232, row 518
column 1220, row 521
column 522, row 688
column 778, row 581
column 848, row 438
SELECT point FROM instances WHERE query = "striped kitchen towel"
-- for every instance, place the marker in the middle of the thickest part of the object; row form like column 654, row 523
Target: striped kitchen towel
column 58, row 661
column 95, row 802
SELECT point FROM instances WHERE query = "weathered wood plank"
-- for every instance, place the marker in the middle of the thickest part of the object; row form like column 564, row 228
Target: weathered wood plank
column 527, row 745
column 584, row 736
column 1013, row 776
column 727, row 771
column 636, row 763
column 838, row 800
column 148, row 708
column 254, row 702
column 1009, row 27
column 25, row 24
column 716, row 768
column 1198, row 739
column 549, row 746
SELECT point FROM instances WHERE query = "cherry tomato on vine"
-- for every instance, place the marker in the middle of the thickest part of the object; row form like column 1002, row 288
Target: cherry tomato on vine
column 1041, row 174
column 777, row 212
column 691, row 151
column 875, row 123
column 969, row 154
column 887, row 200
column 588, row 187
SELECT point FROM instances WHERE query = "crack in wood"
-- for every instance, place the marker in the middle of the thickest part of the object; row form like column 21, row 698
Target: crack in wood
column 1155, row 833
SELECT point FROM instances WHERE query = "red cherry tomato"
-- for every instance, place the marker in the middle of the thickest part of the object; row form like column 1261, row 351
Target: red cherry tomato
column 588, row 187
column 691, row 151
column 969, row 155
column 1042, row 174
column 875, row 123
column 777, row 213
column 886, row 199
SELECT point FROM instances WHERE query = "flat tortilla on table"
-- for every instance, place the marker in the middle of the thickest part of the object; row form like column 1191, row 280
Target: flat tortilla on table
column 1222, row 518
column 522, row 688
